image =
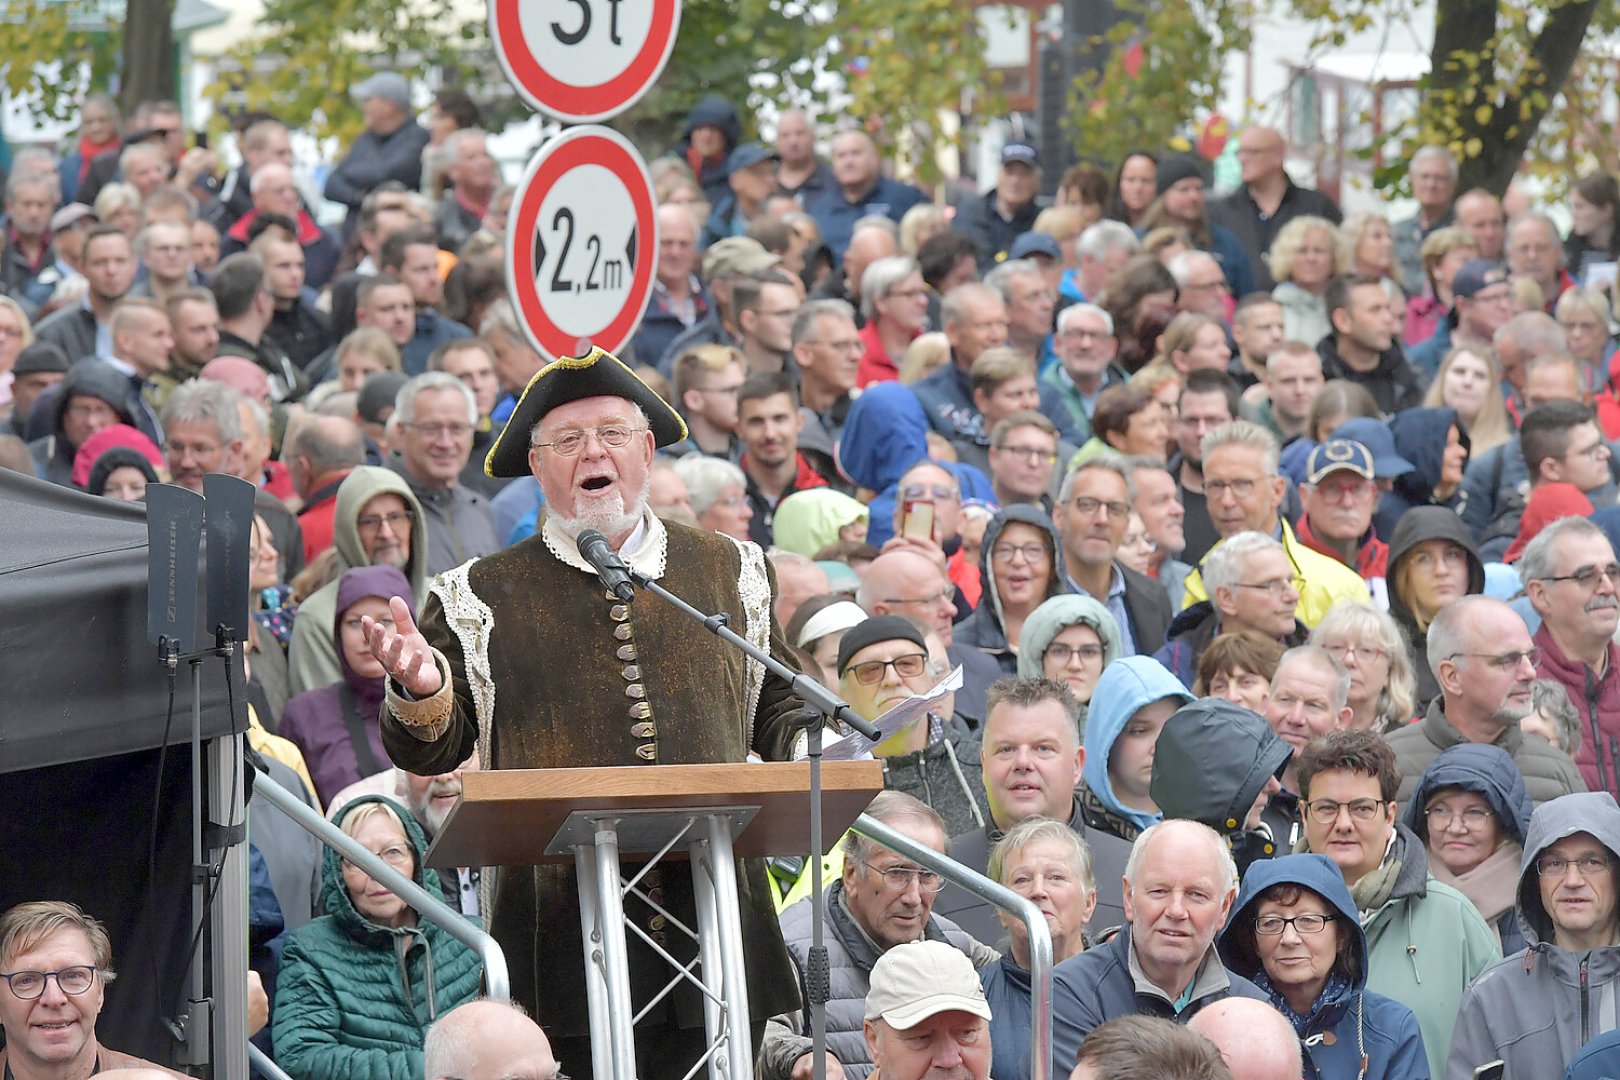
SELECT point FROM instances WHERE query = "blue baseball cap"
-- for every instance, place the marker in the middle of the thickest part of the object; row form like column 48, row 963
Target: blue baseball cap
column 1376, row 438
column 1020, row 153
column 1034, row 243
column 747, row 155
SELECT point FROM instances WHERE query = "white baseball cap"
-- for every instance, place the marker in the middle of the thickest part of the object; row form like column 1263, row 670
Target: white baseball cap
column 920, row 979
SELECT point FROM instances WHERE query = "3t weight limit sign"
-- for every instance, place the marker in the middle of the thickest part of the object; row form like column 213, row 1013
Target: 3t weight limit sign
column 582, row 246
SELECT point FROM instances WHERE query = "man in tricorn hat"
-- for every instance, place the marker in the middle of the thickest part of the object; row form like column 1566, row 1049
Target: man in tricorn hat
column 584, row 679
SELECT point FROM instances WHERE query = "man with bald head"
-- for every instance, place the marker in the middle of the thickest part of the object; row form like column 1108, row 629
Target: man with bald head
column 873, row 239
column 1480, row 212
column 975, row 319
column 1255, row 1040
column 678, row 297
column 859, row 188
column 799, row 173
column 488, row 1040
column 274, row 191
column 1535, row 252
column 320, row 453
column 1267, row 200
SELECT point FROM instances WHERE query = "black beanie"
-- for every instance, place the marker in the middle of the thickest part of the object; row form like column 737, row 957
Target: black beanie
column 1180, row 167
column 118, row 457
column 877, row 628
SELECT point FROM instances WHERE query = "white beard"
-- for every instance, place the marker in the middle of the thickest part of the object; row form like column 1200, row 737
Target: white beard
column 606, row 514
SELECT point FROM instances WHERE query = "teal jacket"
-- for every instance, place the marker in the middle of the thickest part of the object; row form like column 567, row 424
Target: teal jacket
column 354, row 999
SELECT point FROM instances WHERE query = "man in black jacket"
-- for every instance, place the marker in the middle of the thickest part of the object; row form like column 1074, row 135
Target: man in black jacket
column 389, row 149
column 1362, row 347
column 1267, row 200
column 1093, row 510
column 996, row 218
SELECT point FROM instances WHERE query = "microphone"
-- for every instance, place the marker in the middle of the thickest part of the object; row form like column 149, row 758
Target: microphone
column 594, row 549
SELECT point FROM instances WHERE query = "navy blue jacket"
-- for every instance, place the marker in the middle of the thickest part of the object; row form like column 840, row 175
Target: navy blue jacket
column 1097, row 986
column 1347, row 1020
column 1420, row 437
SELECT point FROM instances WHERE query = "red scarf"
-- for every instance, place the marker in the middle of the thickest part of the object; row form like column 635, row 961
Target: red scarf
column 88, row 150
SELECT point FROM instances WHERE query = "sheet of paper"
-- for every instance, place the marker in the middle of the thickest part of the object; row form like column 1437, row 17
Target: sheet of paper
column 914, row 709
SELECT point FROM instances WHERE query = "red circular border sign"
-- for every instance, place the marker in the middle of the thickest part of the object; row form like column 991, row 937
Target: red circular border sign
column 581, row 104
column 573, row 148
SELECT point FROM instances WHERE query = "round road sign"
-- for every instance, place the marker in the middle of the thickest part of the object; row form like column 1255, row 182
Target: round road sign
column 583, row 61
column 582, row 243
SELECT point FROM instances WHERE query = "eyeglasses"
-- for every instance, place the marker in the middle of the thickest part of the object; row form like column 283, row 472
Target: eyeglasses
column 395, row 856
column 899, row 878
column 1342, row 653
column 72, row 981
column 1473, row 818
column 439, row 431
column 1598, row 451
column 1278, row 588
column 1086, row 506
column 1326, row 811
column 1508, row 661
column 939, row 492
column 611, row 436
column 1587, row 576
column 1214, row 490
column 1088, row 654
column 1032, row 454
column 1273, row 925
column 1556, row 866
column 1006, row 553
column 931, row 598
column 908, row 666
column 395, row 520
column 852, row 346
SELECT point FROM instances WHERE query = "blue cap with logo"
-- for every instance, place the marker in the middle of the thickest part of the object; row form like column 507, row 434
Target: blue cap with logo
column 1336, row 454
column 1376, row 438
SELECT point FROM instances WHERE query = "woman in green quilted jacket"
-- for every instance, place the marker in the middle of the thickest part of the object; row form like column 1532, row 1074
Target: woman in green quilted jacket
column 359, row 986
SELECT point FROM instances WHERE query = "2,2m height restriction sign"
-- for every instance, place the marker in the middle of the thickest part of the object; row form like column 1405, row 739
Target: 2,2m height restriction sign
column 582, row 243
column 583, row 61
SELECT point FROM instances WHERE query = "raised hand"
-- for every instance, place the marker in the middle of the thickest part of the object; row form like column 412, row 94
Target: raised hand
column 403, row 651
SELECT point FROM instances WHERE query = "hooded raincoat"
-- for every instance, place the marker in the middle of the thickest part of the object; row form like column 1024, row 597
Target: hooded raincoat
column 1536, row 1008
column 1350, row 1033
column 1127, row 685
column 1489, row 772
column 1415, row 526
column 1420, row 437
column 1052, row 618
column 985, row 628
column 355, row 998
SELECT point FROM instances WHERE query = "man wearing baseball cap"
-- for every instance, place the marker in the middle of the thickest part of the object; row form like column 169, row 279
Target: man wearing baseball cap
column 1482, row 302
column 389, row 149
column 1339, row 496
column 995, row 219
column 926, row 1015
column 751, row 175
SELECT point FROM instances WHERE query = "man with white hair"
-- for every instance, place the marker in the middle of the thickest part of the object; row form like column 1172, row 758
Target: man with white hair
column 430, row 800
column 432, row 427
column 1202, row 283
column 1255, row 1040
column 1102, row 249
column 1535, row 252
column 1179, row 886
column 274, row 191
column 1433, row 172
column 474, row 174
column 1086, row 346
column 587, row 679
column 488, row 1040
column 1252, row 587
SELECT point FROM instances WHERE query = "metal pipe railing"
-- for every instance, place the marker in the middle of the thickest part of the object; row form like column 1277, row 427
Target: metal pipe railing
column 497, row 984
column 263, row 1065
column 1040, row 937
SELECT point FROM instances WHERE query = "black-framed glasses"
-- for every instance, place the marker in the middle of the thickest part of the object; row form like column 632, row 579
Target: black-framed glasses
column 613, row 436
column 1506, row 661
column 1006, row 553
column 1031, row 454
column 73, row 981
column 1062, row 653
column 899, row 878
column 1214, row 490
column 1310, row 923
column 1326, row 811
column 908, row 666
column 1086, row 506
column 1587, row 576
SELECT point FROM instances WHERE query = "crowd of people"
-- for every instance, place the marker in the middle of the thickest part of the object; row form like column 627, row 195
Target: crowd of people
column 1277, row 550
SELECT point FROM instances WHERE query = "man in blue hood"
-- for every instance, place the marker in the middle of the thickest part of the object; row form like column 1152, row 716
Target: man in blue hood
column 1536, row 1008
column 1133, row 699
column 1179, row 887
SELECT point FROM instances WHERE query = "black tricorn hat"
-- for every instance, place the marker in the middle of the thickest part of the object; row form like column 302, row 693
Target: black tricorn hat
column 596, row 374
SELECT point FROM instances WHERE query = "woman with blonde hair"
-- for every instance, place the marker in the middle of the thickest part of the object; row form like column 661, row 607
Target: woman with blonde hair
column 1585, row 316
column 1444, row 252
column 362, row 354
column 1193, row 342
column 119, row 204
column 1467, row 381
column 1306, row 256
column 919, row 224
column 1367, row 245
column 1368, row 643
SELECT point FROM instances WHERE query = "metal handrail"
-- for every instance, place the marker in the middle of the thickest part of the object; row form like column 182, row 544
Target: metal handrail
column 266, row 1068
column 497, row 984
column 1040, row 937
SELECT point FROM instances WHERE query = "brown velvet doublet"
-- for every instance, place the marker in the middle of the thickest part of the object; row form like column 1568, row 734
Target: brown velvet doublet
column 581, row 679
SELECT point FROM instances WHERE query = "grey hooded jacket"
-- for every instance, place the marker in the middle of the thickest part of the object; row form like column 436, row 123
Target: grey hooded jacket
column 1536, row 1008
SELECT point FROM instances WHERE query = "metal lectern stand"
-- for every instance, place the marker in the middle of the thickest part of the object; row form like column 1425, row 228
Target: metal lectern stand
column 710, row 815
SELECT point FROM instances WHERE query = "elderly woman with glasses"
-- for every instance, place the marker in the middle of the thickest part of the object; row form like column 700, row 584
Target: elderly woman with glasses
column 1472, row 811
column 718, row 493
column 359, row 986
column 1048, row 864
column 1368, row 644
column 1021, row 566
column 894, row 302
column 1295, row 933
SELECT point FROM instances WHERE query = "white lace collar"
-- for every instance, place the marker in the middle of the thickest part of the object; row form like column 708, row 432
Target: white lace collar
column 644, row 549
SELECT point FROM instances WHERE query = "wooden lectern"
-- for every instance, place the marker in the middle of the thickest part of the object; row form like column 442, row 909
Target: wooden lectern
column 709, row 814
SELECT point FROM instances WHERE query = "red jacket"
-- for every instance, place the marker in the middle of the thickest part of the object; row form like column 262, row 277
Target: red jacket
column 876, row 365
column 1597, row 701
column 1372, row 561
